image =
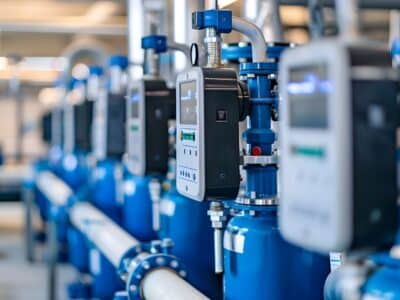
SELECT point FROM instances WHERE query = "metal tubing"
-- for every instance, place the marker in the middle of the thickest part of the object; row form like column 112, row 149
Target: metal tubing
column 259, row 48
column 53, row 188
column 179, row 47
column 218, row 251
column 108, row 237
column 52, row 259
column 27, row 196
column 155, row 193
column 163, row 284
column 347, row 18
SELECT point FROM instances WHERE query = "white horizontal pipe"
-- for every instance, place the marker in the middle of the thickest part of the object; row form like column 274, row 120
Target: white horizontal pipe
column 258, row 44
column 163, row 284
column 53, row 188
column 109, row 238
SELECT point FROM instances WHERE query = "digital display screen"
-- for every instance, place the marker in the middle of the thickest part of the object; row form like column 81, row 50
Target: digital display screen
column 134, row 102
column 188, row 103
column 308, row 91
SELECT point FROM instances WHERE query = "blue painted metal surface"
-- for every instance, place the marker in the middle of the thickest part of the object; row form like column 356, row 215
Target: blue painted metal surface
column 220, row 20
column 240, row 52
column 79, row 290
column 383, row 284
column 137, row 207
column 119, row 61
column 73, row 170
column 261, row 265
column 78, row 250
column 156, row 42
column 105, row 281
column 186, row 222
column 104, row 189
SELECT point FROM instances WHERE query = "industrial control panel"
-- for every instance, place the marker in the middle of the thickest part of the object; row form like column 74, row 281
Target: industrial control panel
column 338, row 111
column 115, row 125
column 150, row 105
column 83, row 119
column 207, row 107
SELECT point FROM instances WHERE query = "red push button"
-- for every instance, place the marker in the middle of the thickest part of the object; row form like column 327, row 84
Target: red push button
column 256, row 151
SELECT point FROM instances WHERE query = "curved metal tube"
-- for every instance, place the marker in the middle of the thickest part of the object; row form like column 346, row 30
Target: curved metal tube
column 179, row 47
column 259, row 48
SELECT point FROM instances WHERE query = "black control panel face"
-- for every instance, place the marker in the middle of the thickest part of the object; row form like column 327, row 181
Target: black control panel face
column 150, row 105
column 115, row 128
column 83, row 120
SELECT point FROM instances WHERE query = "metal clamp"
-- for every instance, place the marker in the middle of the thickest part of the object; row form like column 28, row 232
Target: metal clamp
column 257, row 201
column 263, row 160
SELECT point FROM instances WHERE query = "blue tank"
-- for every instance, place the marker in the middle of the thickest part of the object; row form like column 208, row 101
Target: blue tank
column 104, row 189
column 259, row 264
column 105, row 281
column 78, row 250
column 137, row 208
column 384, row 284
column 186, row 222
column 73, row 170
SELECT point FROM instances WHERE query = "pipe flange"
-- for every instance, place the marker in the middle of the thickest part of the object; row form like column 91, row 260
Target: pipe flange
column 123, row 268
column 147, row 265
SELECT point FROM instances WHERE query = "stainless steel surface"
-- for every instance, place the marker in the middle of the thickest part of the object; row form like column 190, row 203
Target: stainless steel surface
column 260, row 160
column 52, row 259
column 212, row 42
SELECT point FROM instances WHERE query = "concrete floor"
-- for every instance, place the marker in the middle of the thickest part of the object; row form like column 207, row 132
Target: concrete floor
column 20, row 280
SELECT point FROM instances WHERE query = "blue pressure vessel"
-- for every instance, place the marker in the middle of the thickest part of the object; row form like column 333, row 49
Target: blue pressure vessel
column 186, row 222
column 137, row 207
column 105, row 281
column 104, row 185
column 259, row 264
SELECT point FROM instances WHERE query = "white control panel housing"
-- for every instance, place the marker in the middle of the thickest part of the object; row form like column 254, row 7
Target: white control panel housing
column 136, row 119
column 190, row 146
column 316, row 146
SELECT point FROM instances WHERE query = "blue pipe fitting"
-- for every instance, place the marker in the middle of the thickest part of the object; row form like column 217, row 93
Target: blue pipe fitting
column 260, row 79
column 396, row 47
column 119, row 61
column 96, row 70
column 156, row 42
column 220, row 20
column 145, row 265
column 123, row 267
column 242, row 51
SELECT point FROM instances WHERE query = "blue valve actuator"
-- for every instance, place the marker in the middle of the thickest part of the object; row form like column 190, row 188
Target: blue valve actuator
column 119, row 61
column 156, row 42
column 96, row 70
column 220, row 20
